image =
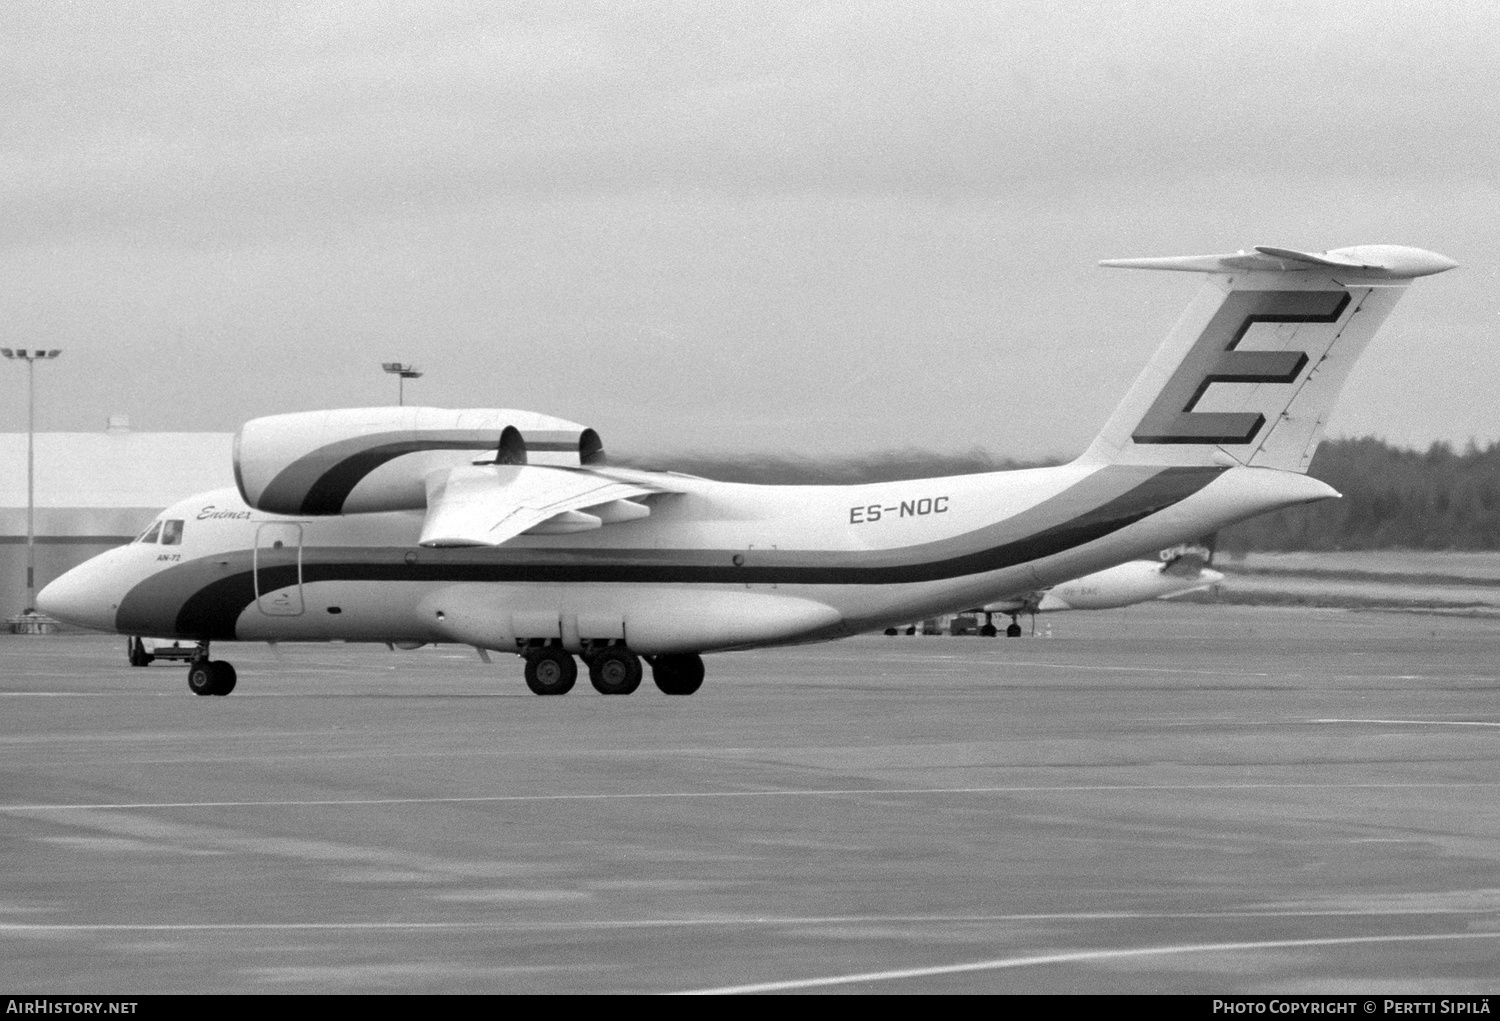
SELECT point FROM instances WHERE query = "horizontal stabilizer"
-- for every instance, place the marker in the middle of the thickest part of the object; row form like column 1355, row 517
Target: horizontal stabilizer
column 1188, row 559
column 487, row 505
column 1187, row 565
column 1397, row 261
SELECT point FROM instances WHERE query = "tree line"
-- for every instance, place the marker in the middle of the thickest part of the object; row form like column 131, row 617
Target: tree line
column 1394, row 498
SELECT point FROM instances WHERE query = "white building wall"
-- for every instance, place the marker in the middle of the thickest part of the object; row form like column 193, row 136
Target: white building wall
column 95, row 491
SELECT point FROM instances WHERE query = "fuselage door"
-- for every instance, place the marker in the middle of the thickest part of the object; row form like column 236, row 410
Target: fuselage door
column 278, row 569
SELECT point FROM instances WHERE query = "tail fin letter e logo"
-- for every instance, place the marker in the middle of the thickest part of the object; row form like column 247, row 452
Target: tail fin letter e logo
column 1213, row 359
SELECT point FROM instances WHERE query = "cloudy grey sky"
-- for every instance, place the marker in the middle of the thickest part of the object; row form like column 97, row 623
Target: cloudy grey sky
column 757, row 226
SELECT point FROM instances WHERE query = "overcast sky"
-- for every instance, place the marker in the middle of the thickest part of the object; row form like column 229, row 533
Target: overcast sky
column 810, row 227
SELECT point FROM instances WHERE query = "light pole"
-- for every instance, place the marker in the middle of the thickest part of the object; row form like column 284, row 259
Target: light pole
column 30, row 358
column 402, row 374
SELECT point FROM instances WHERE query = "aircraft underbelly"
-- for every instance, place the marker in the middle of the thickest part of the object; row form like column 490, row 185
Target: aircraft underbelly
column 651, row 618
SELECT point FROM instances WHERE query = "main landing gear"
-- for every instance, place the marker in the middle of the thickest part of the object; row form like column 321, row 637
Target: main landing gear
column 550, row 671
column 613, row 670
column 677, row 674
column 210, row 676
column 988, row 629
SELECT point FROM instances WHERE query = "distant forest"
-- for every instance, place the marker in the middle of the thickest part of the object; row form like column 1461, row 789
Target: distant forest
column 1437, row 499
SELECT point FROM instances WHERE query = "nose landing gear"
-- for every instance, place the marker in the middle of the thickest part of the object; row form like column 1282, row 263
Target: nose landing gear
column 210, row 677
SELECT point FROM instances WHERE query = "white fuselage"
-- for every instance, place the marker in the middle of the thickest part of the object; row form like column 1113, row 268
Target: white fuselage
column 1136, row 581
column 715, row 565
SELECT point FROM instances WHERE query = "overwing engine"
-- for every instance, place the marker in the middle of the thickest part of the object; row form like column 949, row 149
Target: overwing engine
column 364, row 460
column 483, row 476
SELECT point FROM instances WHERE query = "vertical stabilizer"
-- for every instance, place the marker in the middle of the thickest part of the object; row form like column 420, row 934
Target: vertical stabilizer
column 1250, row 373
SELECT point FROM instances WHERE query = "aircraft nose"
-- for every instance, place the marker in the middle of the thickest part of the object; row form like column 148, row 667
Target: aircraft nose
column 78, row 598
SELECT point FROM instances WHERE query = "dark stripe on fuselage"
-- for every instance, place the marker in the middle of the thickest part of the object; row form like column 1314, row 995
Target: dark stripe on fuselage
column 213, row 609
column 221, row 592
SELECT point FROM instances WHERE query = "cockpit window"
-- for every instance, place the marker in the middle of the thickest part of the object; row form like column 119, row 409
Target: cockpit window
column 171, row 532
column 151, row 533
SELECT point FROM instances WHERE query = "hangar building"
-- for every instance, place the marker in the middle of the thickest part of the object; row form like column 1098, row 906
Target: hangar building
column 95, row 491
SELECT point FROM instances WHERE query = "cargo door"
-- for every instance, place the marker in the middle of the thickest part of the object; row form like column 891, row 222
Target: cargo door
column 278, row 569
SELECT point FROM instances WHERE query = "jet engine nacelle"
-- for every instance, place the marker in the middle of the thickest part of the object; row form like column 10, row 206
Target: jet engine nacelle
column 363, row 460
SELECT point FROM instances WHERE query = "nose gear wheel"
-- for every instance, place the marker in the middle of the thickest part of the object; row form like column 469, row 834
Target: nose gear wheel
column 211, row 677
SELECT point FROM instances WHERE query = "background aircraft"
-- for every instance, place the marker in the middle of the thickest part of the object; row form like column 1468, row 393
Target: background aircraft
column 503, row 530
column 1174, row 572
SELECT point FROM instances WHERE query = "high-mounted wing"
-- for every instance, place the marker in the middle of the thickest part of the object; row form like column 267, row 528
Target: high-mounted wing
column 486, row 505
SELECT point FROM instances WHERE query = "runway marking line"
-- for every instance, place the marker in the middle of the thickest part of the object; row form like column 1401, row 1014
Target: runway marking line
column 1419, row 723
column 1078, row 789
column 757, row 920
column 1117, row 669
column 1074, row 957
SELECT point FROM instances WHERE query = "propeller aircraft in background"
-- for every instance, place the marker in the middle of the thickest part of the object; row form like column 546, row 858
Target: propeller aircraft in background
column 1173, row 572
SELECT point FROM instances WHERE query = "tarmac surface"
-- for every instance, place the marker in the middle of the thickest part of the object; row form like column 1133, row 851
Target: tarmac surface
column 1200, row 799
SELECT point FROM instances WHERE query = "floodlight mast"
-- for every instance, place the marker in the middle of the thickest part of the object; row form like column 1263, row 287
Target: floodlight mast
column 30, row 357
column 402, row 374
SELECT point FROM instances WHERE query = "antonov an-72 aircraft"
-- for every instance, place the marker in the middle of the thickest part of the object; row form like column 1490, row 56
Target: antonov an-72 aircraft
column 505, row 531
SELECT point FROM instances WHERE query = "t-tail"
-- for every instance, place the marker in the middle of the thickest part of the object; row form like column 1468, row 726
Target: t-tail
column 1250, row 373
